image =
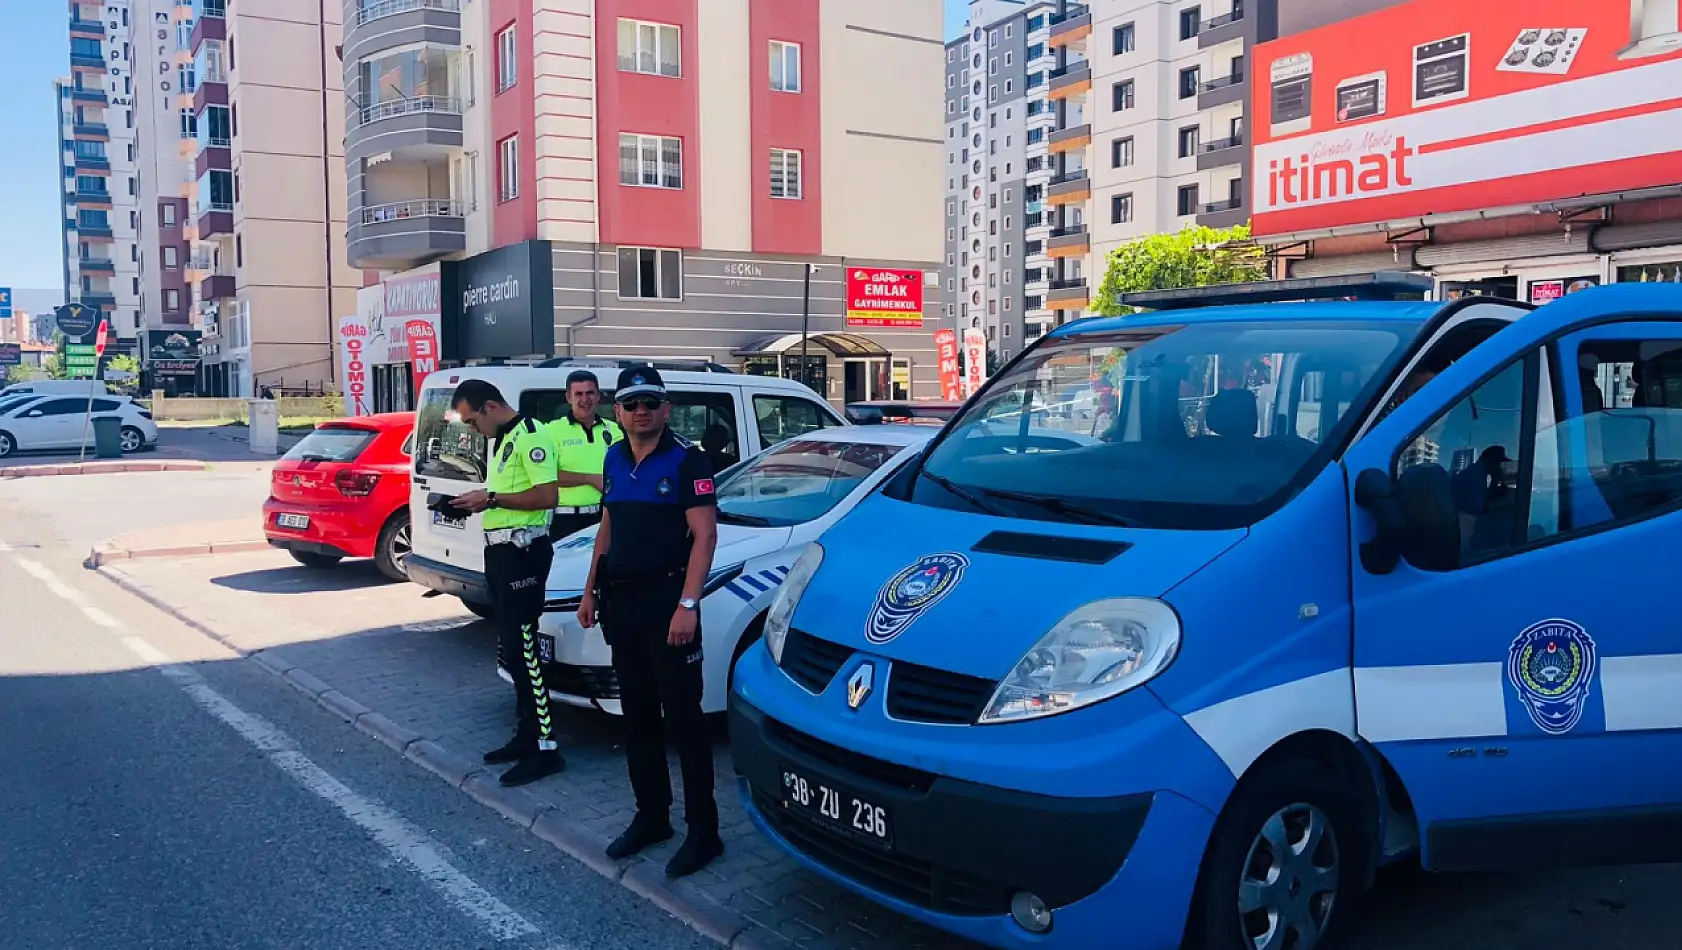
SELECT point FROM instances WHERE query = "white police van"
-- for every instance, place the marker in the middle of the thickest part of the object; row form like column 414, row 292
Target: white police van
column 730, row 416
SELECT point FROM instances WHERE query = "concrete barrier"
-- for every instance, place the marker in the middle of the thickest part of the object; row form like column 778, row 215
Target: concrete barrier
column 207, row 409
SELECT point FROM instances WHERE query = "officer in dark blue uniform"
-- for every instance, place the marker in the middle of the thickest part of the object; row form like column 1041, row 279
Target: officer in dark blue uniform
column 654, row 550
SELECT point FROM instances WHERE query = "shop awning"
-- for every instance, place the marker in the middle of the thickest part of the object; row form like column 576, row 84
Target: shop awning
column 838, row 344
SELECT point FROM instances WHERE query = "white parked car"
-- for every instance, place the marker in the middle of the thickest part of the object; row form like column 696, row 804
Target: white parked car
column 62, row 422
column 769, row 508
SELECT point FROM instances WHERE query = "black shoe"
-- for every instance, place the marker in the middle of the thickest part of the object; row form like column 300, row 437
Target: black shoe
column 696, row 852
column 516, row 749
column 536, row 765
column 641, row 834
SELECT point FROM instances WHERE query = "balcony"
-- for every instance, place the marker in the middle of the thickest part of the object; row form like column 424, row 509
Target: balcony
column 91, row 198
column 1069, row 81
column 211, row 92
column 1069, row 188
column 1220, row 91
column 1070, row 139
column 1067, row 294
column 91, row 131
column 1071, row 241
column 87, row 29
column 388, row 24
column 417, row 127
column 218, row 286
column 1072, row 25
column 97, row 265
column 1223, row 214
column 87, row 61
column 1221, row 152
column 1222, row 29
column 215, row 218
column 214, row 154
column 88, row 163
column 405, row 234
column 88, row 95
column 99, row 299
column 208, row 27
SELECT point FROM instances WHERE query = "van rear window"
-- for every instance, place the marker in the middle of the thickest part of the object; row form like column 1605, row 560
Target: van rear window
column 446, row 448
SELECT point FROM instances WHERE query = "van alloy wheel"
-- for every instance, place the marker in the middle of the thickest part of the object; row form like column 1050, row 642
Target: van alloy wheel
column 1289, row 882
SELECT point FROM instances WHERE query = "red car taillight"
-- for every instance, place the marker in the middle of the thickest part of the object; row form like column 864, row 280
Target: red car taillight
column 356, row 484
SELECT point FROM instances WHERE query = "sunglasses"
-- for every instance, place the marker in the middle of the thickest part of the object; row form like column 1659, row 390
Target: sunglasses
column 642, row 403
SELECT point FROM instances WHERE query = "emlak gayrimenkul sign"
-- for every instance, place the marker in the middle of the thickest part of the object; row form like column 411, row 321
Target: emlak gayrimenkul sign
column 884, row 297
column 1442, row 106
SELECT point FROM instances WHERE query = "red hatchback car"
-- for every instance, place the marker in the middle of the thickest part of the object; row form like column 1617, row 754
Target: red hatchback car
column 343, row 491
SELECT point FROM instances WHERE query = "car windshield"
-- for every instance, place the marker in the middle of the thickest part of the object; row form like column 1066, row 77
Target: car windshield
column 444, row 446
column 330, row 444
column 1193, row 425
column 798, row 481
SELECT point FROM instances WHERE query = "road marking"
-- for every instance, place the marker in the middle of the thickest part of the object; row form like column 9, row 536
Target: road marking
column 45, row 575
column 101, row 617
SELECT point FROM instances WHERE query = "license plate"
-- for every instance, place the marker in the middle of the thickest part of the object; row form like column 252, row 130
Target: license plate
column 837, row 810
column 545, row 648
column 292, row 521
column 443, row 521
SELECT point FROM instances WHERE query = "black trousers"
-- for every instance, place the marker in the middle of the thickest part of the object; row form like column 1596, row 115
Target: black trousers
column 656, row 678
column 562, row 526
column 518, row 578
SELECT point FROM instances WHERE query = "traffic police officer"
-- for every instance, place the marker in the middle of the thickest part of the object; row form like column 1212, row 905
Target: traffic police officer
column 582, row 439
column 518, row 498
column 653, row 553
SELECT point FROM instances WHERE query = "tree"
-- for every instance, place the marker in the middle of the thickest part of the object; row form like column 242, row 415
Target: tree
column 123, row 363
column 1195, row 257
column 24, row 373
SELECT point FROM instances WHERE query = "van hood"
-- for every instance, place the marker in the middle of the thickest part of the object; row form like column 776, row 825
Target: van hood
column 1003, row 603
column 570, row 569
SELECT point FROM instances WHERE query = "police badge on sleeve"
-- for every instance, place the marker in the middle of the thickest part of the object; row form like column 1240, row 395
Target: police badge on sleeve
column 910, row 593
column 1551, row 666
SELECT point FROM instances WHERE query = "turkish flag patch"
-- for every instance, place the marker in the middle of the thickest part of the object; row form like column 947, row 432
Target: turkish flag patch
column 704, row 486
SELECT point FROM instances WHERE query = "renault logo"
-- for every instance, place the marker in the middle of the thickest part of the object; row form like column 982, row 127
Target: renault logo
column 858, row 687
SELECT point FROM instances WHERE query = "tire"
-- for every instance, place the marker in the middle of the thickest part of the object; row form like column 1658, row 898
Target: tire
column 131, row 440
column 8, row 445
column 1290, row 802
column 482, row 611
column 391, row 549
column 315, row 561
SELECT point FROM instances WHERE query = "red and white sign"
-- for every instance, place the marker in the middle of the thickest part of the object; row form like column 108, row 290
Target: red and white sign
column 353, row 366
column 883, row 297
column 99, row 340
column 704, row 486
column 423, row 349
column 946, row 346
column 1547, row 291
column 975, row 361
column 1439, row 106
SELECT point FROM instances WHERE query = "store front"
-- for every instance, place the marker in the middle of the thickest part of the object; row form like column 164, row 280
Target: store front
column 392, row 342
column 844, row 367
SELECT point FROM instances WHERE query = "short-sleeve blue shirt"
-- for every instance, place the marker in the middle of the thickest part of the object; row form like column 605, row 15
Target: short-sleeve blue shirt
column 646, row 503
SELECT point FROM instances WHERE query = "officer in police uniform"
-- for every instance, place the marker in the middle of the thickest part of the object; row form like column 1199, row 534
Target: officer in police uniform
column 653, row 553
column 582, row 439
column 518, row 498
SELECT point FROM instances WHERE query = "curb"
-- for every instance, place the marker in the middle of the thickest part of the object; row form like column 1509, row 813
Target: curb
column 100, row 468
column 640, row 876
column 105, row 552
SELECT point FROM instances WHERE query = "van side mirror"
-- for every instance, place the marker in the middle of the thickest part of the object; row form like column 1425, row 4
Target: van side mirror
column 1416, row 519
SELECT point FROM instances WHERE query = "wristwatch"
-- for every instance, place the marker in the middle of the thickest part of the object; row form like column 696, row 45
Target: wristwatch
column 688, row 603
column 491, row 500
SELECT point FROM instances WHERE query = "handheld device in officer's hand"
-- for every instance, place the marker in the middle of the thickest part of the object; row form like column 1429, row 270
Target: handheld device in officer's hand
column 443, row 504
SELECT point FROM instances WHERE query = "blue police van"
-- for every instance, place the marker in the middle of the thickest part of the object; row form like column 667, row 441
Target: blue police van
column 1323, row 584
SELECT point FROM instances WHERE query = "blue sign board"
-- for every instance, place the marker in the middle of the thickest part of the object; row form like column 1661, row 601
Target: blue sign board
column 5, row 302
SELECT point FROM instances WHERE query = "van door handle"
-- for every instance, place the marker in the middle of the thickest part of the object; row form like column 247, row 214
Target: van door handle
column 421, row 482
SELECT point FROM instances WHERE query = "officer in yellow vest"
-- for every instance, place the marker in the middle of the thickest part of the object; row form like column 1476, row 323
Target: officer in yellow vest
column 581, row 439
column 518, row 498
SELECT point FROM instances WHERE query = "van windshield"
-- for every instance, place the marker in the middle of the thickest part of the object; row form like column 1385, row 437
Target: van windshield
column 444, row 447
column 1195, row 425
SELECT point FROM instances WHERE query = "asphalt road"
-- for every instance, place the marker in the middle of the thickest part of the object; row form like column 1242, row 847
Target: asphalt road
column 161, row 792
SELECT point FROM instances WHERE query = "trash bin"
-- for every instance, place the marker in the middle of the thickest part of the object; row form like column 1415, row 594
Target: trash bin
column 107, row 437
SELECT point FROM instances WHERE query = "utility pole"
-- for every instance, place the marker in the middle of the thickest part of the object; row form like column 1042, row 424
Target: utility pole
column 806, row 327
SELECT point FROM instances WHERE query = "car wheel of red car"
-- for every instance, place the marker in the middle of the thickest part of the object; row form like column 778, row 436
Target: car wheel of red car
column 391, row 551
column 313, row 560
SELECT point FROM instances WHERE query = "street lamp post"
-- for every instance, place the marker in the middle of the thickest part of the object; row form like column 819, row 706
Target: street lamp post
column 806, row 326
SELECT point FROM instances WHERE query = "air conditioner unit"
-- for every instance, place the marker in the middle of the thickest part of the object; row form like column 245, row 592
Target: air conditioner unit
column 1654, row 28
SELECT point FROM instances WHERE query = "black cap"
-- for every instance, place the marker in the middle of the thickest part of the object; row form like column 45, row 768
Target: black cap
column 639, row 381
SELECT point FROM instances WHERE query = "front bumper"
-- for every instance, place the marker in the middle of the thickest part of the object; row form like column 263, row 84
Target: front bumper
column 449, row 579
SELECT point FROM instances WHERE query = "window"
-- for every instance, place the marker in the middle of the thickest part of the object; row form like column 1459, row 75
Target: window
column 648, row 48
column 1188, row 82
column 61, row 407
column 1121, row 208
column 1007, row 250
column 168, row 213
column 1188, row 200
column 507, row 60
column 785, row 173
column 647, row 273
column 650, row 161
column 785, row 66
column 172, row 300
column 1036, row 23
column 1188, row 141
column 1008, row 29
column 1121, row 96
column 1010, row 58
column 508, row 173
column 1121, row 152
column 1190, row 22
column 1235, row 192
column 781, row 418
column 215, row 128
column 993, row 38
column 1036, row 136
column 1122, row 39
column 992, row 66
column 992, row 93
column 239, row 250
column 1035, row 51
column 172, row 257
column 1010, row 85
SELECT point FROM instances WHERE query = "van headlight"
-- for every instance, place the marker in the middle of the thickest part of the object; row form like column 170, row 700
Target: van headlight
column 1101, row 650
column 781, row 613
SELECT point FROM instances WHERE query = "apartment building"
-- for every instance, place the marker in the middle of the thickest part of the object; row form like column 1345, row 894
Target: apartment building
column 999, row 121
column 268, row 198
column 101, row 181
column 161, row 38
column 655, row 179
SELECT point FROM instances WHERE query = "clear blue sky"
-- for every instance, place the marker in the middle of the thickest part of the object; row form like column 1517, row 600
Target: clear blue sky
column 38, row 50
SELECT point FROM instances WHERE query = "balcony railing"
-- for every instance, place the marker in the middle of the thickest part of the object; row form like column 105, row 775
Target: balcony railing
column 1068, row 283
column 1221, row 82
column 1235, row 16
column 1071, row 12
column 215, row 8
column 206, row 207
column 1078, row 174
column 447, row 105
column 385, row 8
column 215, row 141
column 1219, row 144
column 1068, row 230
column 1072, row 69
column 418, row 208
column 1217, row 207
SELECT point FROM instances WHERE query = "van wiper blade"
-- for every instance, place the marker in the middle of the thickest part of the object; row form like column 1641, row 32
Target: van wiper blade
column 1058, row 505
column 952, row 487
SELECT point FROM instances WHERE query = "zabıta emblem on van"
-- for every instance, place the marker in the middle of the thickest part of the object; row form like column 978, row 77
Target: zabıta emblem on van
column 1551, row 665
column 910, row 593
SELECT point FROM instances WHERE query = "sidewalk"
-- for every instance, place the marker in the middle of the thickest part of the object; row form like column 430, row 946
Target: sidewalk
column 23, row 468
column 418, row 674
